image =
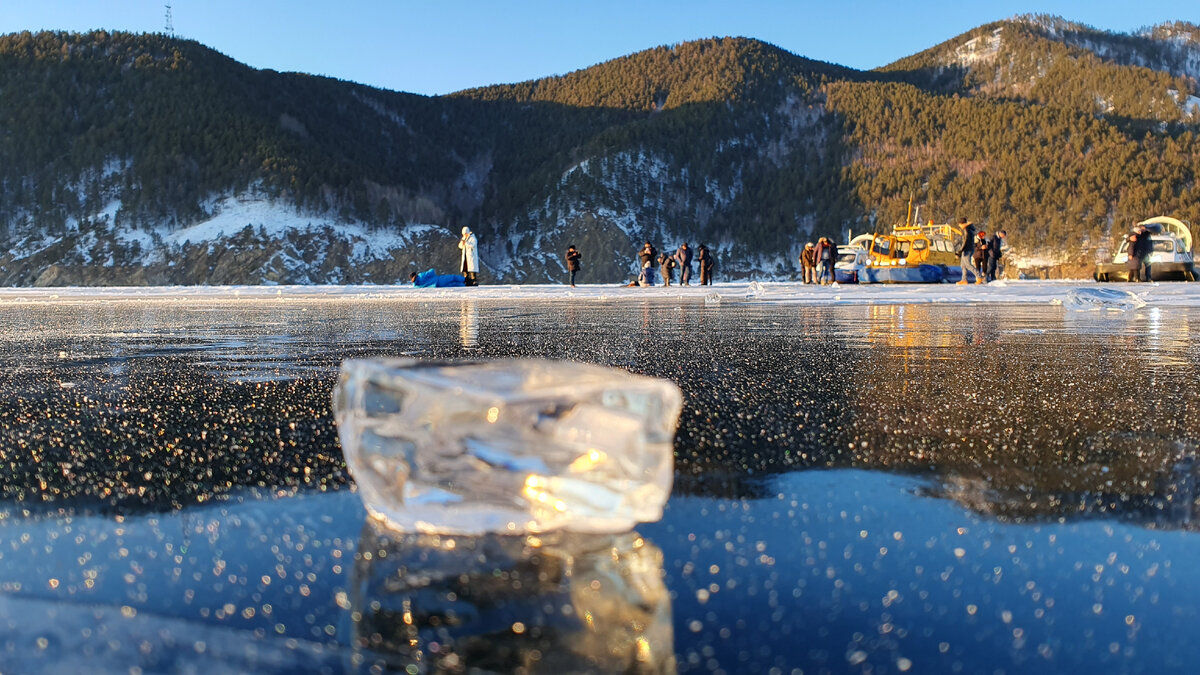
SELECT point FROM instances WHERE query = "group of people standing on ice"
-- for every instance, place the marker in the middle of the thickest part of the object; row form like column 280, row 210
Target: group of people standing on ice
column 816, row 261
column 979, row 253
column 648, row 258
column 667, row 263
column 1139, row 249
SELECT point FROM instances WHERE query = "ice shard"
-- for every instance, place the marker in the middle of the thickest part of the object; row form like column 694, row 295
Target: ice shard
column 506, row 446
column 1112, row 299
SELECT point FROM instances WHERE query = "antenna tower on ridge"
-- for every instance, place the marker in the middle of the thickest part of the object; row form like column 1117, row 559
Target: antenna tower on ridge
column 170, row 25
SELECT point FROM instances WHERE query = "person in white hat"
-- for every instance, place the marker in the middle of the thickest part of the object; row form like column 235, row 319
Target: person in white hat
column 470, row 256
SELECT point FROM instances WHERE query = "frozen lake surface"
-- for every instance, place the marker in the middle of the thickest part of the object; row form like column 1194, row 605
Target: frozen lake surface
column 920, row 479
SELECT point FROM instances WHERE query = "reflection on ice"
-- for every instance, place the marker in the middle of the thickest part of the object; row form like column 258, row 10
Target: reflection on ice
column 506, row 446
column 556, row 603
column 468, row 324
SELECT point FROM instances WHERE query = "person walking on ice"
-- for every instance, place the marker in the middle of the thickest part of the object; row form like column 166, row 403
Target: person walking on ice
column 573, row 257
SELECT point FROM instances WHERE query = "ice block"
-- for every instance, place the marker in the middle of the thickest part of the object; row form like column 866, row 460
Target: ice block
column 507, row 446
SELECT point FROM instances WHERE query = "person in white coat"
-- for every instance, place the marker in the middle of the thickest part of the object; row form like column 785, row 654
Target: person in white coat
column 470, row 256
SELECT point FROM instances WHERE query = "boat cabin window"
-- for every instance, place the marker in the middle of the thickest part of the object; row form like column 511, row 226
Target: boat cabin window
column 849, row 257
column 920, row 244
column 1163, row 246
column 902, row 249
column 1124, row 246
column 882, row 246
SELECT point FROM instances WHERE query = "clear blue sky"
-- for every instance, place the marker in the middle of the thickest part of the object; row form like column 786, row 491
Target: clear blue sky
column 439, row 46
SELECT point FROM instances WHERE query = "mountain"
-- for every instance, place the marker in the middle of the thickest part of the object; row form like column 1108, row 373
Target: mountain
column 144, row 159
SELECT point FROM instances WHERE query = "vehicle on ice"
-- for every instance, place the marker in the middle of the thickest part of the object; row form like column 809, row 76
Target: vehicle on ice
column 910, row 254
column 1171, row 259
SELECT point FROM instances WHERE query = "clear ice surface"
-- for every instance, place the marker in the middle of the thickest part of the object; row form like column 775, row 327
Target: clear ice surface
column 1115, row 299
column 506, row 446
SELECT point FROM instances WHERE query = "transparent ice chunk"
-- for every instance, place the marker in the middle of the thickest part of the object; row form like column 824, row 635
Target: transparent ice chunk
column 712, row 299
column 563, row 602
column 1115, row 299
column 755, row 289
column 511, row 446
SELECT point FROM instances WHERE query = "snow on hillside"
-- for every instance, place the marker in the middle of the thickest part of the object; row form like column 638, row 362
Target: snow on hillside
column 276, row 221
column 980, row 49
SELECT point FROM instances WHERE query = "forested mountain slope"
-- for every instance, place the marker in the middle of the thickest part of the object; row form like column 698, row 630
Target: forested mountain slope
column 131, row 159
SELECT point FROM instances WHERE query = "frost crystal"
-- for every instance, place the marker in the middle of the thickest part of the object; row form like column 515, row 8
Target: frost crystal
column 513, row 446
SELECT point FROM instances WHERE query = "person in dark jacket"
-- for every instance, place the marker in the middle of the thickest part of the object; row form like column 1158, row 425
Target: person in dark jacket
column 994, row 251
column 705, row 260
column 979, row 258
column 1133, row 262
column 646, row 259
column 808, row 263
column 966, row 250
column 683, row 257
column 573, row 257
column 1145, row 246
column 666, row 265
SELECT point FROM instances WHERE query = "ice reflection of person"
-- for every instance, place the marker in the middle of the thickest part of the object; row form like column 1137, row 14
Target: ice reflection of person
column 468, row 325
column 561, row 602
column 469, row 261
